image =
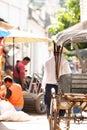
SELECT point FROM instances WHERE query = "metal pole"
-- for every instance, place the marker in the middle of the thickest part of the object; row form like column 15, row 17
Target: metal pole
column 13, row 51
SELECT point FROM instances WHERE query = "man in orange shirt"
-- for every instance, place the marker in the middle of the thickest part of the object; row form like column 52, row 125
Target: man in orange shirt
column 16, row 97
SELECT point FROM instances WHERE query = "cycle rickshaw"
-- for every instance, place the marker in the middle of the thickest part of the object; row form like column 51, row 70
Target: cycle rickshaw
column 72, row 95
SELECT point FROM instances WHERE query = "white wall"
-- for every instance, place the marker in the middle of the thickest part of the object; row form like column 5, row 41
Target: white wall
column 83, row 10
column 39, row 51
column 14, row 12
column 39, row 55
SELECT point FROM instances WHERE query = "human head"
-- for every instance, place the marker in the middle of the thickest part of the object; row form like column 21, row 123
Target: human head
column 26, row 60
column 8, row 81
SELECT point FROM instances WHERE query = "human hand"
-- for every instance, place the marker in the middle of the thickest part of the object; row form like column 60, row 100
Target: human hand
column 2, row 97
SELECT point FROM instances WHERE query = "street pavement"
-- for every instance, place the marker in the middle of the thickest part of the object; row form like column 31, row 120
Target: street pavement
column 39, row 122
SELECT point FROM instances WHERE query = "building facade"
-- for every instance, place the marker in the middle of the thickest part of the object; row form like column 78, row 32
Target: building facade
column 22, row 14
column 15, row 12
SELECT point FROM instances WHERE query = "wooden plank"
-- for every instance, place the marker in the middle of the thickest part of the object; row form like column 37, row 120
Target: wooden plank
column 76, row 83
column 79, row 81
column 79, row 86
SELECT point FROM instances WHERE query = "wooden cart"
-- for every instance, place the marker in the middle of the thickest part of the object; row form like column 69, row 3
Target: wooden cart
column 75, row 106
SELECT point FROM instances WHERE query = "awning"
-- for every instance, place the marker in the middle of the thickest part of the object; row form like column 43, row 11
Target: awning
column 7, row 26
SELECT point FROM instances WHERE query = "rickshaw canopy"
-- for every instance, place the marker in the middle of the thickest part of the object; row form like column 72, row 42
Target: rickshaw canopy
column 83, row 53
column 74, row 34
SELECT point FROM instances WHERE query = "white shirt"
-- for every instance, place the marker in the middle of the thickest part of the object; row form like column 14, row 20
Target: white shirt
column 49, row 76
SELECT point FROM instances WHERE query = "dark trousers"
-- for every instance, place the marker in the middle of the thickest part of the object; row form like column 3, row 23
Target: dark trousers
column 17, row 80
column 47, row 98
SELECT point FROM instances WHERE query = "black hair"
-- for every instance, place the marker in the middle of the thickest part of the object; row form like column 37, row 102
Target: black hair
column 8, row 79
column 26, row 58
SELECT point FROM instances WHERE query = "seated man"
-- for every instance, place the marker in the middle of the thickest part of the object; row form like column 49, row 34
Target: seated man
column 16, row 95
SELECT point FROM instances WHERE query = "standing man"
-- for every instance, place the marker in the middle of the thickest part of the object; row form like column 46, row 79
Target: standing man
column 16, row 95
column 19, row 71
column 49, row 79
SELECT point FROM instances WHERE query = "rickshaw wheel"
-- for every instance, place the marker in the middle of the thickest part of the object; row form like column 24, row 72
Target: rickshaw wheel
column 53, row 117
column 53, row 122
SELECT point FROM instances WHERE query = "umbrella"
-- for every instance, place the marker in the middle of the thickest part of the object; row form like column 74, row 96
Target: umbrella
column 4, row 33
column 7, row 26
column 17, row 36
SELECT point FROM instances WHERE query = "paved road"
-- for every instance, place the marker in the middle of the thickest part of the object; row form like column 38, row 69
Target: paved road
column 38, row 123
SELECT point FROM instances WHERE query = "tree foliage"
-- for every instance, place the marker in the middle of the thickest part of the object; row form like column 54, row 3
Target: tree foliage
column 66, row 17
